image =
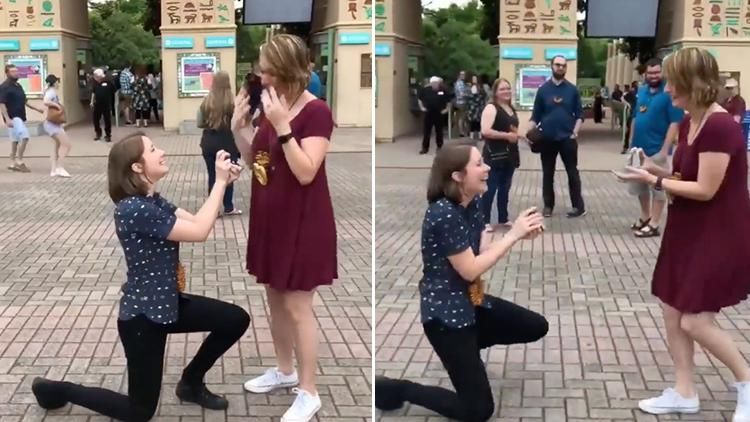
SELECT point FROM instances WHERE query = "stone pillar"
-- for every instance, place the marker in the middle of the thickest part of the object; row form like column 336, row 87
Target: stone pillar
column 531, row 33
column 42, row 38
column 720, row 26
column 197, row 40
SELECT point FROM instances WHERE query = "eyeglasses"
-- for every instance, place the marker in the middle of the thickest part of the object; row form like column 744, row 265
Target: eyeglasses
column 560, row 65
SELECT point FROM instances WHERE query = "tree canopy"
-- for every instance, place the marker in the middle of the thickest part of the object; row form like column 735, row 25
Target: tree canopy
column 118, row 33
column 453, row 42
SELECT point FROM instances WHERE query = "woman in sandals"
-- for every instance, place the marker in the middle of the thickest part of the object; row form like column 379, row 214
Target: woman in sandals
column 704, row 260
column 291, row 240
column 153, row 306
column 458, row 318
column 215, row 118
column 55, row 130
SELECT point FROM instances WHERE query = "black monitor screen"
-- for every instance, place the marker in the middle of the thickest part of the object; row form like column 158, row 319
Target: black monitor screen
column 621, row 18
column 264, row 12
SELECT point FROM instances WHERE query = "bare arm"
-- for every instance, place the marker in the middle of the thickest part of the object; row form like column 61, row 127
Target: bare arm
column 470, row 266
column 38, row 110
column 672, row 132
column 306, row 157
column 737, row 118
column 488, row 117
column 242, row 127
column 421, row 106
column 712, row 167
column 4, row 111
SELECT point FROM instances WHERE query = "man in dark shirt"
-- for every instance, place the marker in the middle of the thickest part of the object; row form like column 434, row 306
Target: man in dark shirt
column 559, row 115
column 433, row 101
column 617, row 93
column 13, row 105
column 629, row 98
column 101, row 103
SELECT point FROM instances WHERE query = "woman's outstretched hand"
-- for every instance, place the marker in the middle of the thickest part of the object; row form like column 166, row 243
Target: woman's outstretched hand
column 226, row 171
column 528, row 225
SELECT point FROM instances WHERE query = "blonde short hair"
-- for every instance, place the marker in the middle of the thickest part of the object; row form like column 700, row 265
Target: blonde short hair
column 693, row 72
column 288, row 59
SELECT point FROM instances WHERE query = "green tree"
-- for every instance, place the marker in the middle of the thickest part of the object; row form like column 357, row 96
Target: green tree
column 249, row 40
column 592, row 58
column 118, row 37
column 453, row 43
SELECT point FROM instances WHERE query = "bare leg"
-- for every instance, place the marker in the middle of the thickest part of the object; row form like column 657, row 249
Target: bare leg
column 656, row 211
column 645, row 201
column 13, row 152
column 703, row 328
column 283, row 337
column 21, row 150
column 681, row 347
column 55, row 155
column 62, row 148
column 300, row 314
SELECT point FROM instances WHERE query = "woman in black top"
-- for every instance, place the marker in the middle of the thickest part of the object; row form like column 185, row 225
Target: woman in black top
column 500, row 133
column 598, row 106
column 475, row 104
column 214, row 117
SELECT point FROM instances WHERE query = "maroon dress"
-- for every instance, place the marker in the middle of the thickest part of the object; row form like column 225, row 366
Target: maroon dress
column 292, row 232
column 704, row 260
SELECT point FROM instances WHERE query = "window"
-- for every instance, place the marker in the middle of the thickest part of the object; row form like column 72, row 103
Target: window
column 365, row 75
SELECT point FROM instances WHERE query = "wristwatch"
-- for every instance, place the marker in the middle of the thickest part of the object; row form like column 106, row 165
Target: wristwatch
column 284, row 138
column 658, row 185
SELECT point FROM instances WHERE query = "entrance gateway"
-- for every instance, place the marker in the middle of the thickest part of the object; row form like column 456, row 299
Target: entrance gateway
column 197, row 37
column 534, row 31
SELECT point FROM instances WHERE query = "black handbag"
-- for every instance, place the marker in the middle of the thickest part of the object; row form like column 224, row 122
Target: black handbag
column 536, row 139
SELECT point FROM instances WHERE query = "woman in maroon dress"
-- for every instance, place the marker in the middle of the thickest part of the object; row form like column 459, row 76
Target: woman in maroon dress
column 704, row 260
column 291, row 244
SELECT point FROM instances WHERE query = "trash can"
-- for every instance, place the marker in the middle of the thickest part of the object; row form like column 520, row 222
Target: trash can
column 746, row 128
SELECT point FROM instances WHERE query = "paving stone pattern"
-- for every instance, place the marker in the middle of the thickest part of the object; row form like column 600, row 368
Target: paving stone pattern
column 61, row 269
column 606, row 347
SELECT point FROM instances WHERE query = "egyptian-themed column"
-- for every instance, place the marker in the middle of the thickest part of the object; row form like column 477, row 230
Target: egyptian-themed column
column 532, row 32
column 342, row 45
column 41, row 38
column 720, row 26
column 198, row 39
column 399, row 67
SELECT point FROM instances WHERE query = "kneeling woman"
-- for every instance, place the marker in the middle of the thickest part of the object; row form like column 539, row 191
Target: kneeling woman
column 458, row 318
column 152, row 306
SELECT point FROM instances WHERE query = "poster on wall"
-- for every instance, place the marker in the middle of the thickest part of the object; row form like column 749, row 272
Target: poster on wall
column 32, row 71
column 528, row 80
column 196, row 73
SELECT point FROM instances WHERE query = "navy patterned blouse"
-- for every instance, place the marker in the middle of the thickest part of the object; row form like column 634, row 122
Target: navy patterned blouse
column 447, row 230
column 143, row 224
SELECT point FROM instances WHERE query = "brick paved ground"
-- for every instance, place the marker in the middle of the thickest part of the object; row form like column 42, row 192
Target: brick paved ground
column 590, row 277
column 61, row 268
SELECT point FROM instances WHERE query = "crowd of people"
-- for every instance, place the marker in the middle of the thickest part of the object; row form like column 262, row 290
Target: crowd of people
column 283, row 132
column 704, row 253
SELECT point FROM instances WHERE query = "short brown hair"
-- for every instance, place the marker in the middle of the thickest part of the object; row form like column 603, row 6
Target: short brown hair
column 693, row 72
column 123, row 182
column 287, row 57
column 8, row 67
column 449, row 159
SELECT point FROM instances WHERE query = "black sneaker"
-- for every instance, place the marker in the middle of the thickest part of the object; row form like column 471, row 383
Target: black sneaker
column 108, row 139
column 201, row 396
column 547, row 212
column 576, row 213
column 97, row 138
column 389, row 393
column 423, row 152
column 48, row 393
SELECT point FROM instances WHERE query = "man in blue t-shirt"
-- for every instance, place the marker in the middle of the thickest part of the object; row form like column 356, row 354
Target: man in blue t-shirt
column 654, row 129
column 559, row 114
column 314, row 86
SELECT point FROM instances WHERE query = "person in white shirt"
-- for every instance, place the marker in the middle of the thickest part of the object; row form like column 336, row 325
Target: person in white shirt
column 55, row 129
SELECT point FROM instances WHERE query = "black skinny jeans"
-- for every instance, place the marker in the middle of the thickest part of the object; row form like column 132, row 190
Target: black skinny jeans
column 568, row 151
column 458, row 350
column 145, row 342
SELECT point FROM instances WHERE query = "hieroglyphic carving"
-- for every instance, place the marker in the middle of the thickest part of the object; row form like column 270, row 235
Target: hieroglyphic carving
column 197, row 12
column 27, row 14
column 532, row 17
column 719, row 18
column 380, row 15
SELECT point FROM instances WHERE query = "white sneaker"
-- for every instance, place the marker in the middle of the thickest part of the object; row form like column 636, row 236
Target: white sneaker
column 742, row 412
column 61, row 172
column 304, row 408
column 670, row 401
column 271, row 380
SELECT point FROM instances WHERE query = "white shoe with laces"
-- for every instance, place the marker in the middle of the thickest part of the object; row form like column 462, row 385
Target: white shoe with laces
column 62, row 173
column 304, row 408
column 670, row 401
column 271, row 380
column 742, row 412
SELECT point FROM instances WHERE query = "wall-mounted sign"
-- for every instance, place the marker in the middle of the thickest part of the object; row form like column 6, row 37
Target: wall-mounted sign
column 528, row 80
column 177, row 42
column 32, row 71
column 354, row 38
column 517, row 53
column 46, row 44
column 220, row 41
column 10, row 45
column 81, row 56
column 382, row 50
column 195, row 73
column 568, row 53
